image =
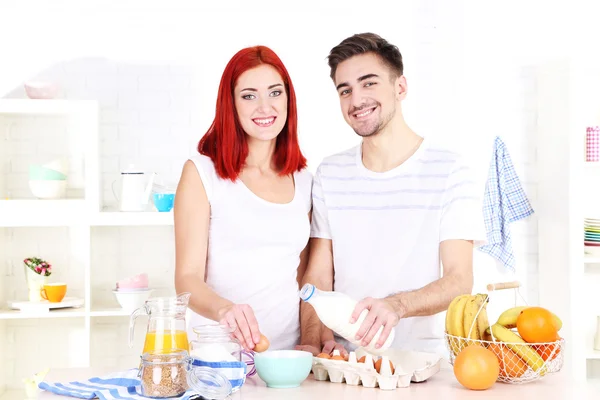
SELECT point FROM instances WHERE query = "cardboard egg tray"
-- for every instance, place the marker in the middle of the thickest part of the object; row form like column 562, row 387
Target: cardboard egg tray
column 409, row 367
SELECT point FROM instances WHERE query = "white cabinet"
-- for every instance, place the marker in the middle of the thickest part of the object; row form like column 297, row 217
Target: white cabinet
column 568, row 187
column 89, row 249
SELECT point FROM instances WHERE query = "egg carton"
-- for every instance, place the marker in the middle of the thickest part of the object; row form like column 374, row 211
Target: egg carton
column 409, row 366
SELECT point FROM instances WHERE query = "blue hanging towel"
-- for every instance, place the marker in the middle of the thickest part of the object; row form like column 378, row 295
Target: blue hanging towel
column 504, row 202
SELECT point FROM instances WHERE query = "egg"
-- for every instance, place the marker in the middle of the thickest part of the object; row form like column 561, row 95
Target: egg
column 262, row 345
column 323, row 355
column 338, row 358
column 378, row 365
column 363, row 359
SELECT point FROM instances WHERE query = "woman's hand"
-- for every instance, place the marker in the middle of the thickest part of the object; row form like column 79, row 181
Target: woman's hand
column 240, row 317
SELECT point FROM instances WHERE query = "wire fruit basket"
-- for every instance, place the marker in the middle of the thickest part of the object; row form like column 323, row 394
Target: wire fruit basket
column 520, row 362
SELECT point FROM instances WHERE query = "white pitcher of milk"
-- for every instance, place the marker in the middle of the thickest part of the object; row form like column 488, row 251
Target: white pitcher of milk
column 334, row 309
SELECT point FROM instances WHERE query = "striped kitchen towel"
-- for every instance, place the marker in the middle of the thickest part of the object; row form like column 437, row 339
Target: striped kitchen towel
column 127, row 385
column 504, row 202
column 120, row 385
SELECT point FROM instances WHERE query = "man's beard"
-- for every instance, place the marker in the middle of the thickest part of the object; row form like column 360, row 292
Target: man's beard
column 376, row 127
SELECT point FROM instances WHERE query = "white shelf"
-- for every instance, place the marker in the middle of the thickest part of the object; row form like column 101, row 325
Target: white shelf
column 594, row 355
column 58, row 313
column 68, row 212
column 116, row 218
column 18, row 213
column 46, row 106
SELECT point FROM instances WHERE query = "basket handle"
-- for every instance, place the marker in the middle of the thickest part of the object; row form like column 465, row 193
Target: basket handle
column 503, row 285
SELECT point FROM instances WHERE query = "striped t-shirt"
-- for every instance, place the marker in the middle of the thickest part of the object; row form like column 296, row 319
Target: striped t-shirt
column 386, row 227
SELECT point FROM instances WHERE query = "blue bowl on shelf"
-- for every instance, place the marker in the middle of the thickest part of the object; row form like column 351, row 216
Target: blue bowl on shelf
column 163, row 201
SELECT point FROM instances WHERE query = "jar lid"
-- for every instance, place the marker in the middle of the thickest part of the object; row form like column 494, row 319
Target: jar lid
column 165, row 356
column 209, row 383
column 213, row 329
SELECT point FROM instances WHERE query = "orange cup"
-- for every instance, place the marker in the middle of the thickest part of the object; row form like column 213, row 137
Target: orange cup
column 54, row 292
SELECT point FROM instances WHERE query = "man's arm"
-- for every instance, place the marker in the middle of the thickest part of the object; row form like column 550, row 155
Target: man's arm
column 457, row 279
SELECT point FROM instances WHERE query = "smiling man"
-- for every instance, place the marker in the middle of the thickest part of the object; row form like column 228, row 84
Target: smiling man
column 395, row 218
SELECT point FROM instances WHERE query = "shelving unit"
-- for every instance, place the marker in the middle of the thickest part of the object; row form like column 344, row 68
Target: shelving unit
column 569, row 279
column 73, row 230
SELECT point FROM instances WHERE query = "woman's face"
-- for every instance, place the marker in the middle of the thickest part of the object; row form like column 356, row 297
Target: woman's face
column 261, row 102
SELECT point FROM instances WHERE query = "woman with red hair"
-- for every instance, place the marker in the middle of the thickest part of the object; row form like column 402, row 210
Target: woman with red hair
column 242, row 207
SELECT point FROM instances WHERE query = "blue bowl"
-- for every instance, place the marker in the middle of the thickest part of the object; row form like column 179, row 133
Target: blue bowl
column 163, row 201
column 283, row 368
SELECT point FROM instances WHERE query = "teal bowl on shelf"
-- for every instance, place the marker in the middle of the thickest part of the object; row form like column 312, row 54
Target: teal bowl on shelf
column 283, row 369
column 163, row 201
column 39, row 173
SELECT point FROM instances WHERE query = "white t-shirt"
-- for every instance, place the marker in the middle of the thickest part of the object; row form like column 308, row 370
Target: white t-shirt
column 254, row 251
column 386, row 228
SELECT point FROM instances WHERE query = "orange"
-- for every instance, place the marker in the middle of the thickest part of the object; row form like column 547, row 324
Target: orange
column 536, row 325
column 476, row 368
column 323, row 355
column 548, row 351
column 511, row 365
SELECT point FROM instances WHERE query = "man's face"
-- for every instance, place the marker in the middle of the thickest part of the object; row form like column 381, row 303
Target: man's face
column 368, row 93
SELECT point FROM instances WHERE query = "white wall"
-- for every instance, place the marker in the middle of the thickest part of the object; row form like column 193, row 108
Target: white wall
column 155, row 71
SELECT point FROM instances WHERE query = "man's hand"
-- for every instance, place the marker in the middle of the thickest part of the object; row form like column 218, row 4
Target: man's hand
column 380, row 313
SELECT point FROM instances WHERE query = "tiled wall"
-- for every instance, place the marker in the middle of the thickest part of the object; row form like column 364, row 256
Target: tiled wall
column 153, row 114
column 31, row 345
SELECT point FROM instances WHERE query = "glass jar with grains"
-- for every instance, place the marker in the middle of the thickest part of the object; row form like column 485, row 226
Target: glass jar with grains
column 165, row 374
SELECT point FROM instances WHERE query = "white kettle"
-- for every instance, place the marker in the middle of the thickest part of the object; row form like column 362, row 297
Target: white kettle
column 135, row 189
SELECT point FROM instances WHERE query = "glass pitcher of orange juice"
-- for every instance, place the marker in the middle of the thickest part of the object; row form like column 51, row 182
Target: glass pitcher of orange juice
column 166, row 323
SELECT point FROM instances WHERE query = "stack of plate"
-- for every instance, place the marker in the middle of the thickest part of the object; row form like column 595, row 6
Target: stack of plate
column 591, row 231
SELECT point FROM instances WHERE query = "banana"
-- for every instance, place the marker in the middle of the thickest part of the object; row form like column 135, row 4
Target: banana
column 520, row 347
column 508, row 318
column 470, row 327
column 454, row 322
column 454, row 316
column 482, row 320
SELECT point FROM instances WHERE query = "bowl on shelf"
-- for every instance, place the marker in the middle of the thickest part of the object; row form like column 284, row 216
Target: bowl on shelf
column 163, row 201
column 59, row 164
column 131, row 299
column 48, row 189
column 283, row 368
column 42, row 173
column 41, row 89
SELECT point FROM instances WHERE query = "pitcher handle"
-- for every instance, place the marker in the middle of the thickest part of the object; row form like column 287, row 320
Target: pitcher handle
column 112, row 187
column 250, row 363
column 132, row 317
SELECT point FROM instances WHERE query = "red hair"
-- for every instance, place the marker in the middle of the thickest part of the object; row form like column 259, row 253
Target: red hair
column 225, row 141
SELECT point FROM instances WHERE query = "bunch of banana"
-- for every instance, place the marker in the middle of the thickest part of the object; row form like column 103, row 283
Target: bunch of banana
column 519, row 347
column 467, row 318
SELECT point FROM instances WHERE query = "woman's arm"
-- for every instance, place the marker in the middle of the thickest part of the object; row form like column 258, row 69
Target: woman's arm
column 303, row 259
column 192, row 218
